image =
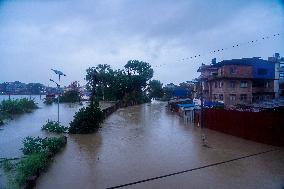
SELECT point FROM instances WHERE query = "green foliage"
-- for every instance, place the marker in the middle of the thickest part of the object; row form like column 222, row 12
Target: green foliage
column 87, row 119
column 31, row 165
column 54, row 126
column 38, row 153
column 35, row 88
column 108, row 84
column 70, row 96
column 48, row 101
column 155, row 89
column 7, row 165
column 37, row 145
column 18, row 106
column 8, row 108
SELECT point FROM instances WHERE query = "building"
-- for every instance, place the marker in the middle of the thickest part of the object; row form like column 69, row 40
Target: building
column 279, row 75
column 238, row 81
column 183, row 90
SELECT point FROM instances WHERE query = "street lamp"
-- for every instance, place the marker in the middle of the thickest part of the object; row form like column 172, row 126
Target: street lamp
column 59, row 73
column 203, row 135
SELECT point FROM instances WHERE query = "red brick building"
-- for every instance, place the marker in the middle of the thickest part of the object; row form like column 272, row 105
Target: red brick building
column 238, row 81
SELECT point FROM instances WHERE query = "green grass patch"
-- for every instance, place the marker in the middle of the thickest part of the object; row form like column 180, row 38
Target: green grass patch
column 32, row 165
column 38, row 154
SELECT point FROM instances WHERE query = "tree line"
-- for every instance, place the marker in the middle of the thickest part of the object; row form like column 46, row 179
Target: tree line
column 131, row 84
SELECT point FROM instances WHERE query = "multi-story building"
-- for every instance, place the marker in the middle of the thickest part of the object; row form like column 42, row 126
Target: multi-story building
column 238, row 81
column 279, row 75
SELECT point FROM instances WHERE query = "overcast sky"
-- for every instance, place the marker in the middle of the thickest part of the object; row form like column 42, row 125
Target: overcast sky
column 71, row 36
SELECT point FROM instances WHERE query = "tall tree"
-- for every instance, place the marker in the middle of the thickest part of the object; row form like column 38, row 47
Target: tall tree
column 155, row 89
column 128, row 84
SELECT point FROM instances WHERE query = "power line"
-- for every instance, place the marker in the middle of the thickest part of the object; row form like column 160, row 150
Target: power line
column 193, row 169
column 236, row 45
column 233, row 46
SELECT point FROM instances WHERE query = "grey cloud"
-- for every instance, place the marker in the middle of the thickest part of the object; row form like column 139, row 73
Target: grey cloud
column 72, row 35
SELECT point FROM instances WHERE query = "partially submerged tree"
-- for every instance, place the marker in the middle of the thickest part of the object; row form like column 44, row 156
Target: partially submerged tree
column 155, row 89
column 72, row 94
column 127, row 85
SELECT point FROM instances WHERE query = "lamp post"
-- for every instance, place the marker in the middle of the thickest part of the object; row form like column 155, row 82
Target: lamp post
column 203, row 135
column 59, row 73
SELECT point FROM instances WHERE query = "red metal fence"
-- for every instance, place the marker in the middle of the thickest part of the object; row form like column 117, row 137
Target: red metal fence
column 264, row 127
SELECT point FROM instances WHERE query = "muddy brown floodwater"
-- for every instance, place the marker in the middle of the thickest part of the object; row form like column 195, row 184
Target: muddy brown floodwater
column 147, row 141
column 29, row 124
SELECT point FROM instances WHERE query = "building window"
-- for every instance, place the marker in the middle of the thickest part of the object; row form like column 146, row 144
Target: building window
column 232, row 97
column 221, row 97
column 232, row 84
column 220, row 84
column 267, row 84
column 244, row 84
column 262, row 71
column 215, row 84
column 243, row 97
column 233, row 70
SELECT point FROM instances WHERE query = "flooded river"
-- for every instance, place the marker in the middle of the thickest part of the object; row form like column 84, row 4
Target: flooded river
column 147, row 141
column 137, row 143
column 29, row 124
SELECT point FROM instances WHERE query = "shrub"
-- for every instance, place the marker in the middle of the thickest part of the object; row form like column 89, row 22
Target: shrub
column 17, row 106
column 87, row 119
column 31, row 165
column 70, row 96
column 48, row 101
column 38, row 153
column 38, row 145
column 54, row 126
column 7, row 165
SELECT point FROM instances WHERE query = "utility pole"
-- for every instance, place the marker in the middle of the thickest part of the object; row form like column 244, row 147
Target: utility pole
column 203, row 135
column 59, row 73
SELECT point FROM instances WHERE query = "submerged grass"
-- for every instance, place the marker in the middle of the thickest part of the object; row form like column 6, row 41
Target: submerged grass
column 8, row 108
column 32, row 165
column 38, row 155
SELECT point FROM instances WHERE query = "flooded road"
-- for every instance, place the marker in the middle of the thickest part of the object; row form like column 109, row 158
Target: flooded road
column 147, row 141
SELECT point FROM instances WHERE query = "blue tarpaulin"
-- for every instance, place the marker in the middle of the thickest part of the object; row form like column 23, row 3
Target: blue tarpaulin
column 186, row 105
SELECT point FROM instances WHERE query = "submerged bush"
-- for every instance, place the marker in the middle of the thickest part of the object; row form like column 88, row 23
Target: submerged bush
column 38, row 153
column 6, row 164
column 54, row 126
column 70, row 96
column 37, row 145
column 87, row 119
column 32, row 165
column 48, row 101
column 17, row 106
